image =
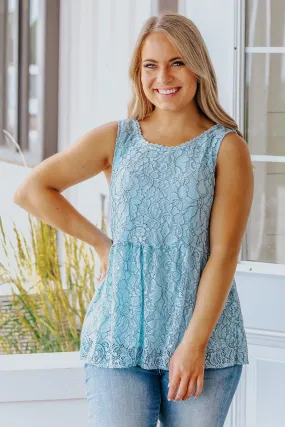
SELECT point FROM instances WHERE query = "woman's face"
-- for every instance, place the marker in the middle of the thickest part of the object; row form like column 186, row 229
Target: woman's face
column 163, row 68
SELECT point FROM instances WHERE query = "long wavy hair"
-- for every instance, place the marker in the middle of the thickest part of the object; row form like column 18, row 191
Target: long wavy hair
column 187, row 39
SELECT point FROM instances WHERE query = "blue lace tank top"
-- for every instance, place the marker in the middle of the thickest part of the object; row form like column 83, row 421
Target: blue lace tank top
column 160, row 201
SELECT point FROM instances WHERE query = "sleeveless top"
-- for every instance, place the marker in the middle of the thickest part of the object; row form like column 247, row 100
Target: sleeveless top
column 160, row 201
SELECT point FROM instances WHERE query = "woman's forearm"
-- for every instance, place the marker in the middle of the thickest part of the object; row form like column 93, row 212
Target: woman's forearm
column 213, row 290
column 53, row 208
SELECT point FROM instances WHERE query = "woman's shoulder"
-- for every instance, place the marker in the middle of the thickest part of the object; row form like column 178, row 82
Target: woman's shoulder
column 117, row 129
column 126, row 127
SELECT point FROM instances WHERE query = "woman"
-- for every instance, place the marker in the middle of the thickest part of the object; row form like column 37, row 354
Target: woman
column 166, row 320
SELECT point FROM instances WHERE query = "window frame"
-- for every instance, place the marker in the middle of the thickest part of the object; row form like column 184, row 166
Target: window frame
column 48, row 35
column 240, row 48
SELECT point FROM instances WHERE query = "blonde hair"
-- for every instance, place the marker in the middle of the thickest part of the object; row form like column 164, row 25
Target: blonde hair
column 187, row 39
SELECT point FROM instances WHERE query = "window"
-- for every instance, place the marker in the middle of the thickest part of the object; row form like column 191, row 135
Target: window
column 29, row 43
column 264, row 128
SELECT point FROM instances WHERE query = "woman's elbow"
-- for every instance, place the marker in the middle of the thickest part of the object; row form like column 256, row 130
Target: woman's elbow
column 25, row 192
column 20, row 196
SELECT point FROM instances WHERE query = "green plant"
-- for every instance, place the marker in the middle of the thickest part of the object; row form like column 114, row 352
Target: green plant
column 48, row 300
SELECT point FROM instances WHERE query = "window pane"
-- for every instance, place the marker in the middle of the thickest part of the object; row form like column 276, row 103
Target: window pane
column 265, row 103
column 12, row 69
column 265, row 238
column 265, row 23
column 33, row 75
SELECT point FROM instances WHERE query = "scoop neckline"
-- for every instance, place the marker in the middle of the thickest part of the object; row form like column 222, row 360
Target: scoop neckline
column 169, row 147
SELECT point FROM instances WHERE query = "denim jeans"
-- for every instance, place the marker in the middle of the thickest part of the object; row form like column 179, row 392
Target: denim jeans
column 137, row 397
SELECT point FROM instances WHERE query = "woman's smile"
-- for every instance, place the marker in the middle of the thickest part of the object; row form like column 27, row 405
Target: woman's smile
column 167, row 92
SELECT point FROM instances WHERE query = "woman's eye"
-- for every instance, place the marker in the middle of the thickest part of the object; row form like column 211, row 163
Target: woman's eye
column 152, row 65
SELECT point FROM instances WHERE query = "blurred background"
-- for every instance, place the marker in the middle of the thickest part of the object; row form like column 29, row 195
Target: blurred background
column 63, row 71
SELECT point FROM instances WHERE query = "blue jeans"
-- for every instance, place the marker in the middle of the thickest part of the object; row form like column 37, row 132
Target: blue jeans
column 137, row 397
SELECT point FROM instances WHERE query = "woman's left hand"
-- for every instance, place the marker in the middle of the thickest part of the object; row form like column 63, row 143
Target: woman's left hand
column 186, row 370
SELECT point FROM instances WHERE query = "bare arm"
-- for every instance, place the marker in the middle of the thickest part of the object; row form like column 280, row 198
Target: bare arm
column 40, row 192
column 229, row 216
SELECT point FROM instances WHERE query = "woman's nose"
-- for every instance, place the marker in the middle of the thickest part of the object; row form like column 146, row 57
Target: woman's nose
column 164, row 77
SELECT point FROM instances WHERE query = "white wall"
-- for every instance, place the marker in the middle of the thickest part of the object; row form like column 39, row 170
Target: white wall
column 42, row 390
column 94, row 86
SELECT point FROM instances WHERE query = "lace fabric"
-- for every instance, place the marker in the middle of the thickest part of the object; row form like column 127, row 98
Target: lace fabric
column 160, row 205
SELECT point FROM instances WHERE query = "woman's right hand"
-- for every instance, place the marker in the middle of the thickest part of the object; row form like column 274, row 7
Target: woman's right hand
column 103, row 252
